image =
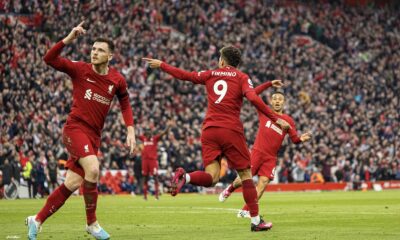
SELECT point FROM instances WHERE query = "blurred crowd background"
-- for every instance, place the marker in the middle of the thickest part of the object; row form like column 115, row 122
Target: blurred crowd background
column 339, row 60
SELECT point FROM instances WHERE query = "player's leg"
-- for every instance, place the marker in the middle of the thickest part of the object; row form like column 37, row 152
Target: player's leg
column 206, row 178
column 54, row 202
column 261, row 185
column 145, row 179
column 250, row 197
column 155, row 176
column 237, row 183
column 211, row 151
column 265, row 169
column 90, row 165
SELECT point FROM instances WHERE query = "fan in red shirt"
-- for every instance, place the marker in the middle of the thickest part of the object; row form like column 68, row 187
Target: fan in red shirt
column 94, row 86
column 222, row 133
column 150, row 158
column 266, row 146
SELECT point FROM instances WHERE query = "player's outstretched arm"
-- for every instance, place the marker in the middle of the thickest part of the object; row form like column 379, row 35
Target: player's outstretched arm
column 75, row 33
column 169, row 125
column 274, row 83
column 52, row 57
column 195, row 77
column 305, row 137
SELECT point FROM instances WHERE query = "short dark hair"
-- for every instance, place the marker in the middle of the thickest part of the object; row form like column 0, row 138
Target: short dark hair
column 232, row 55
column 278, row 91
column 108, row 41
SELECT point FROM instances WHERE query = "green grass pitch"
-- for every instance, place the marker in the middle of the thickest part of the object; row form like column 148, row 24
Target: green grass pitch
column 305, row 215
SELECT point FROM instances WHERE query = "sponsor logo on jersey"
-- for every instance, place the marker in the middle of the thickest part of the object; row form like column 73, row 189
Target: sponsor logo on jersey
column 89, row 95
column 274, row 127
column 147, row 143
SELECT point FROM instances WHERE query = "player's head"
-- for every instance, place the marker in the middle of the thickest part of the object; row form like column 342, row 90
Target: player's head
column 278, row 100
column 230, row 56
column 147, row 132
column 102, row 51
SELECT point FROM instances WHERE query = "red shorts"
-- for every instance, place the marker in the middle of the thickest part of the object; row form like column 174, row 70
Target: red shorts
column 217, row 142
column 262, row 164
column 79, row 144
column 149, row 167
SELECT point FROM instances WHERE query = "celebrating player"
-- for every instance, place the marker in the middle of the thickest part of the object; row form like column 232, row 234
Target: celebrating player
column 222, row 133
column 94, row 86
column 265, row 150
column 149, row 158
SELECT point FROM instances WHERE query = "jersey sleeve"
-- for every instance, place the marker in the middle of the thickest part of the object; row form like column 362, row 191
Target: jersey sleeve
column 194, row 77
column 53, row 59
column 294, row 137
column 123, row 98
column 247, row 85
column 157, row 138
column 141, row 138
column 263, row 87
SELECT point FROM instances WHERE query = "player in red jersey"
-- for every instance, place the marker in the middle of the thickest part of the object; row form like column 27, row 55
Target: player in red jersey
column 149, row 158
column 266, row 146
column 222, row 132
column 94, row 86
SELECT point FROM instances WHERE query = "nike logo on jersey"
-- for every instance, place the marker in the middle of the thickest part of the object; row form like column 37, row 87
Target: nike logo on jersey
column 88, row 79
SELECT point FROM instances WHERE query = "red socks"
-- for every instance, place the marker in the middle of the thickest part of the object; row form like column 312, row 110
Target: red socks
column 145, row 186
column 231, row 189
column 200, row 178
column 90, row 195
column 53, row 203
column 250, row 197
column 156, row 186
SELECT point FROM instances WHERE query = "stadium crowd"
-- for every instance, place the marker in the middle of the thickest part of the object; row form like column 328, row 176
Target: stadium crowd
column 340, row 65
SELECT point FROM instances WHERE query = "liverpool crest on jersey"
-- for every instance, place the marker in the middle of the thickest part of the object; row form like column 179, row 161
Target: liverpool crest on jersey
column 110, row 89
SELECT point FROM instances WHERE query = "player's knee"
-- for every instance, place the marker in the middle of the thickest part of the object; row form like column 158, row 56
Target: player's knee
column 73, row 184
column 215, row 181
column 93, row 172
column 263, row 182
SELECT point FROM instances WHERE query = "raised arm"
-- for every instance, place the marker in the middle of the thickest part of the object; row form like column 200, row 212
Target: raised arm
column 195, row 77
column 52, row 57
column 165, row 131
column 275, row 83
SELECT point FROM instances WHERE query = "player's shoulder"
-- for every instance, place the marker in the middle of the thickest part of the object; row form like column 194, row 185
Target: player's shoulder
column 288, row 118
column 116, row 76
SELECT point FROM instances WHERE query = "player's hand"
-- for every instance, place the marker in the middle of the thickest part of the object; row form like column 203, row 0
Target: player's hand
column 277, row 83
column 75, row 33
column 131, row 140
column 283, row 124
column 305, row 136
column 153, row 63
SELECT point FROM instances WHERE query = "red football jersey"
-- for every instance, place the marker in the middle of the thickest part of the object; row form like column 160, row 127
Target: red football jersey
column 225, row 90
column 270, row 137
column 92, row 92
column 149, row 152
